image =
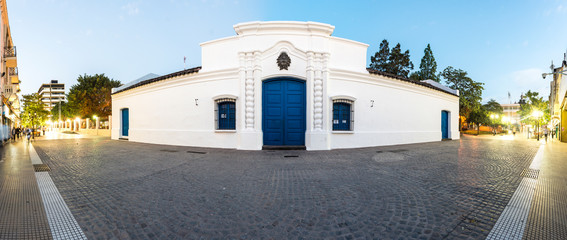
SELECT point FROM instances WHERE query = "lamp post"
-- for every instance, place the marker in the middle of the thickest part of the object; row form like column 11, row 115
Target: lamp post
column 33, row 125
column 537, row 114
column 553, row 90
column 564, row 72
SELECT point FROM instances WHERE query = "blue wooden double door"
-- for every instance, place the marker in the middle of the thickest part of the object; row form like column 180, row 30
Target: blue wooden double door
column 283, row 112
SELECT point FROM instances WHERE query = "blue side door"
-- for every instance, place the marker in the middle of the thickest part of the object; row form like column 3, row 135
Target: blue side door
column 283, row 112
column 444, row 124
column 125, row 122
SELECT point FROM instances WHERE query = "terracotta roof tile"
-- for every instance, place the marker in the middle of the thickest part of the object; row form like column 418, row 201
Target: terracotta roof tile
column 160, row 78
column 390, row 75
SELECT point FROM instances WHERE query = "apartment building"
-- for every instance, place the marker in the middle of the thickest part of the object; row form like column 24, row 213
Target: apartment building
column 52, row 93
column 9, row 80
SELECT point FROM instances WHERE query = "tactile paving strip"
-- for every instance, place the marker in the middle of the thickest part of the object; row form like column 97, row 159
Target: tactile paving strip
column 512, row 221
column 61, row 221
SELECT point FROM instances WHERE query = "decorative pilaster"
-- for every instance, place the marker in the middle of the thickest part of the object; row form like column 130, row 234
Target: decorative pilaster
column 318, row 93
column 249, row 91
column 325, row 79
column 257, row 81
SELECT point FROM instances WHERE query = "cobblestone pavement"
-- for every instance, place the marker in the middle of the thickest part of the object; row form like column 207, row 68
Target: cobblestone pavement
column 127, row 190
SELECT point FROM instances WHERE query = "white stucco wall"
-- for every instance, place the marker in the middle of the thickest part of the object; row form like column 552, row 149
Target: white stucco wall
column 165, row 112
column 388, row 111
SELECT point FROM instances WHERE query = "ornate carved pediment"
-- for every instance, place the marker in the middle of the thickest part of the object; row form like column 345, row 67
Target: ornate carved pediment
column 283, row 61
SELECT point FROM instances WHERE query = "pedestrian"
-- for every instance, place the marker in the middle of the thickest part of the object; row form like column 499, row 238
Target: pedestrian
column 28, row 134
column 545, row 132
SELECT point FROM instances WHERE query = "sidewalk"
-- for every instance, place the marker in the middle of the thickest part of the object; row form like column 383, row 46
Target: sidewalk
column 548, row 213
column 21, row 207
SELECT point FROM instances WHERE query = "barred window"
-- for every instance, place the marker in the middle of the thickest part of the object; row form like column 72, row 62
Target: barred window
column 225, row 113
column 343, row 115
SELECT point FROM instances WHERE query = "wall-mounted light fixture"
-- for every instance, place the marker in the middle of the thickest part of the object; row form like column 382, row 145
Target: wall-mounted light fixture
column 371, row 103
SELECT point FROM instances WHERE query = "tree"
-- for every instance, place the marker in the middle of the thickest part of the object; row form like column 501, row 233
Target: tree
column 380, row 60
column 394, row 62
column 91, row 95
column 534, row 103
column 34, row 113
column 400, row 63
column 479, row 116
column 66, row 111
column 427, row 68
column 470, row 92
column 493, row 108
column 415, row 76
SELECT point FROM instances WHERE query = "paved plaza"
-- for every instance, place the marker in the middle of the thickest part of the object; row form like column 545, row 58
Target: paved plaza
column 126, row 190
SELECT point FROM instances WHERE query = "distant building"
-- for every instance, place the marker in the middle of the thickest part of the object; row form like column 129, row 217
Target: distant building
column 52, row 93
column 284, row 84
column 511, row 112
column 558, row 101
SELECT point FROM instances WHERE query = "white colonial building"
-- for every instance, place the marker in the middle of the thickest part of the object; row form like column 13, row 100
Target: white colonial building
column 283, row 84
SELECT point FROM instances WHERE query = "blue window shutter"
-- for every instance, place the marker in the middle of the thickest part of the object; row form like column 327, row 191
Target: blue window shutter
column 227, row 115
column 341, row 116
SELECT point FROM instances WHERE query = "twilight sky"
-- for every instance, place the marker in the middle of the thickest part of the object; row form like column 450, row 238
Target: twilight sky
column 504, row 44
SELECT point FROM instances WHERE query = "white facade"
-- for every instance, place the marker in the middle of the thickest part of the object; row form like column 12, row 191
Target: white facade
column 180, row 110
column 510, row 111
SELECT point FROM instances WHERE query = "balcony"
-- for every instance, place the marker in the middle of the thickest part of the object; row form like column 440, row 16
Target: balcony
column 10, row 56
column 13, row 73
column 10, row 90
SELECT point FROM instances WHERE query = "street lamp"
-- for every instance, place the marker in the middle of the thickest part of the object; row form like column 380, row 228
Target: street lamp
column 537, row 114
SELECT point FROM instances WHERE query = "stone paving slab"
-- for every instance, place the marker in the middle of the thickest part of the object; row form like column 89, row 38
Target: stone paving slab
column 127, row 190
column 548, row 213
column 22, row 215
